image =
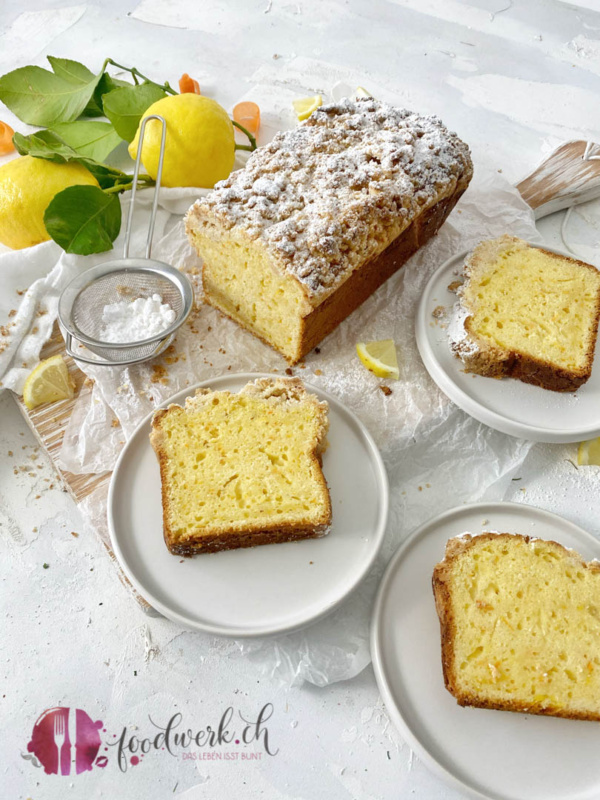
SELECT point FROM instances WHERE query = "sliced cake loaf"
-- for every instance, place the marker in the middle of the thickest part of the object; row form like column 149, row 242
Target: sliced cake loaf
column 520, row 625
column 321, row 216
column 526, row 313
column 242, row 469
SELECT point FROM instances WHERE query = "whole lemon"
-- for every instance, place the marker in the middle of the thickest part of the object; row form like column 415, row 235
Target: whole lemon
column 27, row 185
column 200, row 143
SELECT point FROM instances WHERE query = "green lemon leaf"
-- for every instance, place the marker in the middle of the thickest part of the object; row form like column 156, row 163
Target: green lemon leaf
column 71, row 71
column 44, row 144
column 76, row 73
column 47, row 144
column 83, row 219
column 106, row 176
column 124, row 107
column 40, row 97
column 108, row 84
column 93, row 139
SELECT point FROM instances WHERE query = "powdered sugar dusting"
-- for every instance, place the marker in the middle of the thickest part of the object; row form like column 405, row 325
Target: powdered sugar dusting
column 460, row 339
column 337, row 190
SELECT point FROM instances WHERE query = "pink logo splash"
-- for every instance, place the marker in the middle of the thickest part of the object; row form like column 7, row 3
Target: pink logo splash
column 66, row 741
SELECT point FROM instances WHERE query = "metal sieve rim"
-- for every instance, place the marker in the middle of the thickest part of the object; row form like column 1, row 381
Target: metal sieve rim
column 125, row 265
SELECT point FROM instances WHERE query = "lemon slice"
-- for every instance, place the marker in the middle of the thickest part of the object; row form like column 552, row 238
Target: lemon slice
column 362, row 92
column 49, row 382
column 379, row 357
column 589, row 453
column 305, row 106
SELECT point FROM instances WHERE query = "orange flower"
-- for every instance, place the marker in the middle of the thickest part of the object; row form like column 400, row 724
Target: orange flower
column 248, row 115
column 6, row 142
column 188, row 85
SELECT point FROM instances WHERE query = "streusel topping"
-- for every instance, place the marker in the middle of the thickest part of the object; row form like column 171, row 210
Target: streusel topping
column 338, row 189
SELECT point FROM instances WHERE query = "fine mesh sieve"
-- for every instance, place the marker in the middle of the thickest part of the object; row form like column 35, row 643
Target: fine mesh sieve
column 82, row 302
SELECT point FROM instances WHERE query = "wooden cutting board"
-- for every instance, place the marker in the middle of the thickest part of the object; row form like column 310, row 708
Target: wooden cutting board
column 571, row 174
column 49, row 423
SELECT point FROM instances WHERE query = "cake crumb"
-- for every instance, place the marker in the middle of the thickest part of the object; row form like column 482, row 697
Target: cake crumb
column 318, row 372
column 289, row 371
column 75, row 534
column 386, row 390
column 159, row 374
column 452, row 287
column 438, row 312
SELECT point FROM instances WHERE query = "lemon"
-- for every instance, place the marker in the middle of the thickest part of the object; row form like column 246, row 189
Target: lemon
column 379, row 357
column 589, row 453
column 200, row 144
column 305, row 106
column 50, row 381
column 27, row 185
column 362, row 92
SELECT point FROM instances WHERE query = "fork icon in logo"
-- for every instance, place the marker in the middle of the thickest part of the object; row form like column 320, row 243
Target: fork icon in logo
column 66, row 741
column 59, row 738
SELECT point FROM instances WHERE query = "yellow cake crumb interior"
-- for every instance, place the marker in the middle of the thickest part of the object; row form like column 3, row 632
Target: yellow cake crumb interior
column 239, row 280
column 527, row 625
column 234, row 459
column 537, row 304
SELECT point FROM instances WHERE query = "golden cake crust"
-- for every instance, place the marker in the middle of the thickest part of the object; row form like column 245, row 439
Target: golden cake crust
column 442, row 573
column 485, row 359
column 211, row 540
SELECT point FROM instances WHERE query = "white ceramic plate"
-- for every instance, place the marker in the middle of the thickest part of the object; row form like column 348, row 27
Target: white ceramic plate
column 492, row 754
column 508, row 405
column 260, row 590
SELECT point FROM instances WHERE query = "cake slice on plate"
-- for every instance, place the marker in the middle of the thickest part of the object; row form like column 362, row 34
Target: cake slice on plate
column 242, row 469
column 526, row 313
column 520, row 625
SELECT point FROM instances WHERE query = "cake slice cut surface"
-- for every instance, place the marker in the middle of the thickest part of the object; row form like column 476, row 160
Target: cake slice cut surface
column 242, row 469
column 520, row 625
column 528, row 313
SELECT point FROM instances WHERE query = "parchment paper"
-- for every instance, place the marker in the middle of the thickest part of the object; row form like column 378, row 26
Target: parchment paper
column 436, row 456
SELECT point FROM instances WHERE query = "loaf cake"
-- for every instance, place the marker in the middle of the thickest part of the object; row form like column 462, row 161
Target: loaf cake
column 242, row 469
column 526, row 313
column 520, row 625
column 322, row 216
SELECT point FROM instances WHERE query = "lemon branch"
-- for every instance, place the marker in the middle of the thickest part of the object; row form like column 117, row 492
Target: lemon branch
column 135, row 74
column 252, row 140
column 145, row 180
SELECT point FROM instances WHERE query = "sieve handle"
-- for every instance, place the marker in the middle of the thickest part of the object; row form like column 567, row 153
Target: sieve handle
column 136, row 173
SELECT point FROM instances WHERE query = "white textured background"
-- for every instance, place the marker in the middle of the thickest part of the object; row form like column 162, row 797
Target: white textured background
column 513, row 84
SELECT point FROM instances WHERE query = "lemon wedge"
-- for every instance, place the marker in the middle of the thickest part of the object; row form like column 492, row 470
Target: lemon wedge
column 379, row 357
column 49, row 382
column 305, row 106
column 589, row 453
column 362, row 92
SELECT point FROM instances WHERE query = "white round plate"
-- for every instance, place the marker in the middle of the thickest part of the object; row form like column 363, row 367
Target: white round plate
column 492, row 754
column 263, row 590
column 509, row 405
